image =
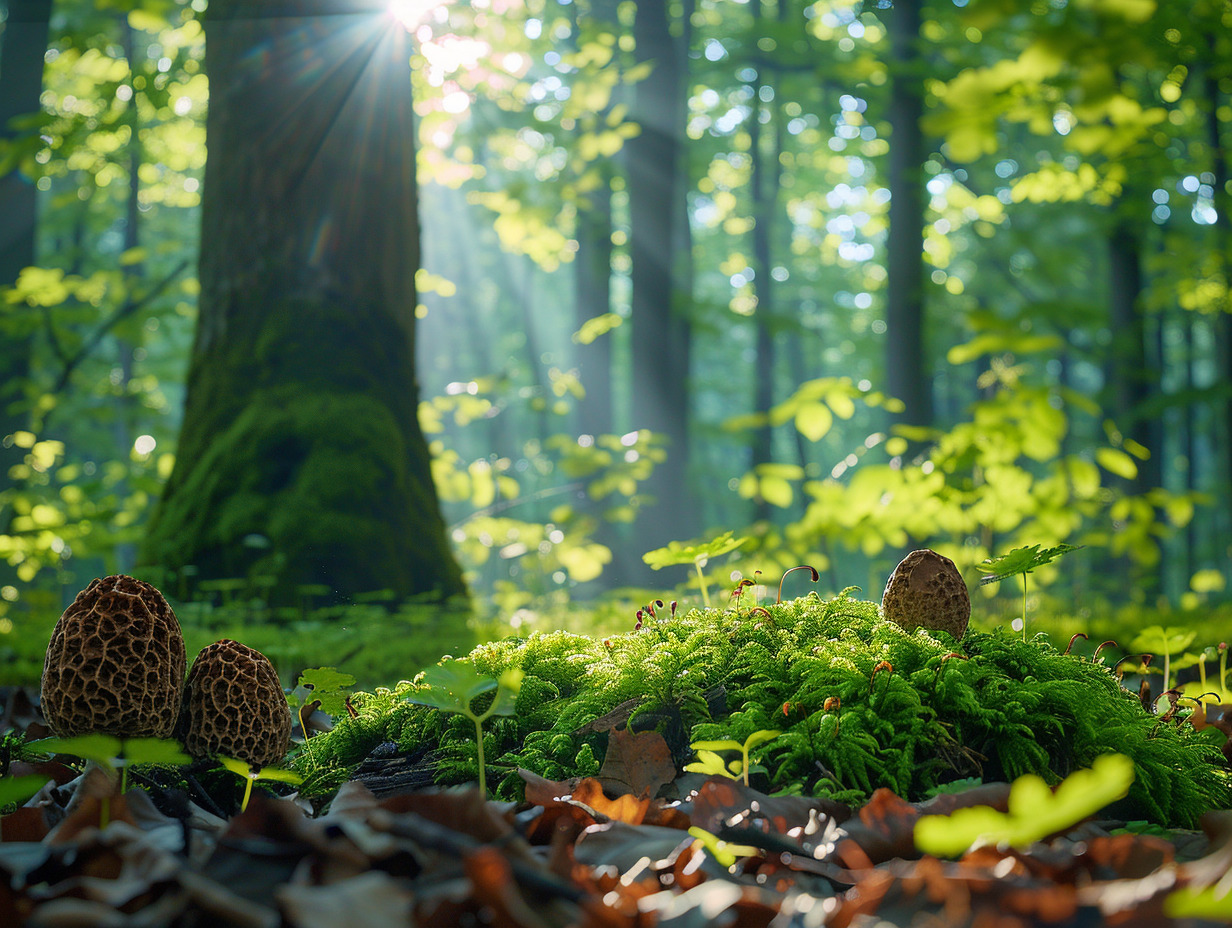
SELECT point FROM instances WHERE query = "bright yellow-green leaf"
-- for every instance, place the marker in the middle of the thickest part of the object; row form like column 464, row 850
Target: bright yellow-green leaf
column 1034, row 811
column 1116, row 462
column 1207, row 581
column 814, row 420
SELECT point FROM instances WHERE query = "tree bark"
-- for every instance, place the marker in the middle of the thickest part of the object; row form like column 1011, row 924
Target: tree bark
column 301, row 456
column 659, row 323
column 21, row 77
column 1131, row 372
column 906, row 377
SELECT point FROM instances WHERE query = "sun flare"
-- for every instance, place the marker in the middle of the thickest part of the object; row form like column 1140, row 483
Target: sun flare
column 410, row 13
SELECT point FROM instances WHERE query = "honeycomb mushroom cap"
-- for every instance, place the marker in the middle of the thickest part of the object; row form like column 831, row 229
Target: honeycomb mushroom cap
column 926, row 590
column 234, row 705
column 115, row 663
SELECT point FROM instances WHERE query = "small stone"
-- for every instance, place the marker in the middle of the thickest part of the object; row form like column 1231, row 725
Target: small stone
column 927, row 591
column 115, row 663
column 234, row 705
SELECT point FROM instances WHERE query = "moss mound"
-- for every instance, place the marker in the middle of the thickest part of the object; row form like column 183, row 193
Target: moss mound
column 860, row 702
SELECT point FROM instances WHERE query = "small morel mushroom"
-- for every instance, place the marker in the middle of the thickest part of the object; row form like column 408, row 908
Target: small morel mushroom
column 927, row 591
column 234, row 705
column 115, row 663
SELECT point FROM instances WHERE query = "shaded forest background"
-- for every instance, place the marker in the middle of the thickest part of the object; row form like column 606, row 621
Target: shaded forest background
column 843, row 278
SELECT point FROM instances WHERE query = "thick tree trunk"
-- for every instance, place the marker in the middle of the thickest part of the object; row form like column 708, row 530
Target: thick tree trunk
column 660, row 329
column 21, row 80
column 1131, row 376
column 300, row 419
column 906, row 377
column 764, row 146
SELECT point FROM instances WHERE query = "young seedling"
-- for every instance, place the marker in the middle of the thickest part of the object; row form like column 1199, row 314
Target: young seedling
column 1169, row 641
column 452, row 686
column 698, row 555
column 1034, row 812
column 1021, row 561
column 249, row 774
column 114, row 755
column 709, row 762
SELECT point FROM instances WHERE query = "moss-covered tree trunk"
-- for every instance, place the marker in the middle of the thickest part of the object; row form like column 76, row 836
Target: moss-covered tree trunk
column 301, row 456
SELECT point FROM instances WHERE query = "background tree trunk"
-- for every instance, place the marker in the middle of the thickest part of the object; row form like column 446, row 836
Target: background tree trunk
column 300, row 419
column 905, row 373
column 660, row 328
column 21, row 80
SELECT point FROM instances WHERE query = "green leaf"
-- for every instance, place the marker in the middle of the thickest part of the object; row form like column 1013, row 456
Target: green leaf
column 102, row 749
column 759, row 737
column 1034, row 811
column 329, row 686
column 814, row 420
column 678, row 552
column 724, row 745
column 710, row 764
column 1156, row 639
column 1020, row 561
column 242, row 768
column 19, row 789
column 1116, row 462
column 452, row 685
column 154, row 751
column 1212, row 903
column 595, row 327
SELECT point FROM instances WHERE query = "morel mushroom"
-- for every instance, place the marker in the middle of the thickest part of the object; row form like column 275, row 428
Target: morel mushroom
column 234, row 705
column 115, row 663
column 926, row 590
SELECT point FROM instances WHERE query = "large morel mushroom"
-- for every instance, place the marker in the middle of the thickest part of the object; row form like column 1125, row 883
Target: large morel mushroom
column 115, row 663
column 234, row 705
column 927, row 591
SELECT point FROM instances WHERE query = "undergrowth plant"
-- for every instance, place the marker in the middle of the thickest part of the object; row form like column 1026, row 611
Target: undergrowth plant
column 860, row 704
column 1020, row 561
column 709, row 762
column 454, row 686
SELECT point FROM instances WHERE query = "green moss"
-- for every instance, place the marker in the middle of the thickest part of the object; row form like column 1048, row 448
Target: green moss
column 861, row 703
column 316, row 450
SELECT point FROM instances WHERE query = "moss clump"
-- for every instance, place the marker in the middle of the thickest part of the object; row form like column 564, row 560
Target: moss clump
column 861, row 704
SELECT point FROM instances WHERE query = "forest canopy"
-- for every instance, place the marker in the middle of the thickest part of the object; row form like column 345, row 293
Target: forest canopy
column 841, row 278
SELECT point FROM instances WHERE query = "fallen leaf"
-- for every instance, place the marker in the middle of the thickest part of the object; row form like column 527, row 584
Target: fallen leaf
column 636, row 763
column 369, row 900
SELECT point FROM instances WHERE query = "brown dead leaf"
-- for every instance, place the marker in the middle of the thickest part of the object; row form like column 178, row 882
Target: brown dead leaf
column 462, row 810
column 638, row 763
column 621, row 809
column 369, row 900
column 494, row 888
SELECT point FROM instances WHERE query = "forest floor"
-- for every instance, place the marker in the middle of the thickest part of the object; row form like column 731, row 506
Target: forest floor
column 579, row 853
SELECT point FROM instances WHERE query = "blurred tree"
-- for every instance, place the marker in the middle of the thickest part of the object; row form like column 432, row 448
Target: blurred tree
column 301, row 457
column 906, row 376
column 23, row 43
column 661, row 340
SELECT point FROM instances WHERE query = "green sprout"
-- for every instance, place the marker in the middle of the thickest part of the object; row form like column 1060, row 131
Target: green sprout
column 1020, row 561
column 1034, row 811
column 677, row 552
column 452, row 686
column 709, row 762
column 724, row 852
column 250, row 774
column 113, row 755
column 1156, row 639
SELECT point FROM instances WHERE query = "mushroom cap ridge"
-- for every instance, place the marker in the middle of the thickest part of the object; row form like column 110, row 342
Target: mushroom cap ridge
column 926, row 590
column 234, row 705
column 115, row 663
